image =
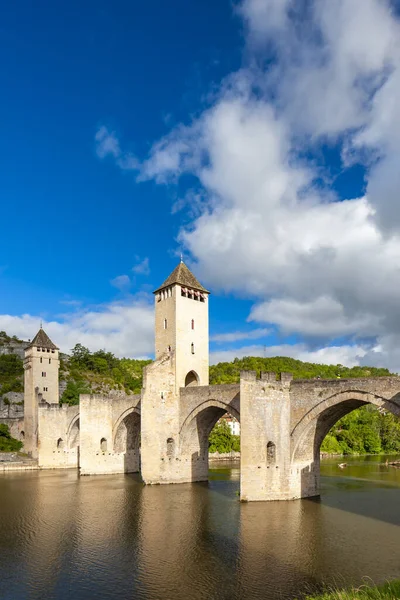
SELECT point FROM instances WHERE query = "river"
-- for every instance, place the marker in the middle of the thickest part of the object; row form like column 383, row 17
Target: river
column 65, row 537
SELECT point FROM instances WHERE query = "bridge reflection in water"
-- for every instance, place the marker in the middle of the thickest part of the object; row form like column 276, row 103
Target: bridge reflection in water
column 106, row 537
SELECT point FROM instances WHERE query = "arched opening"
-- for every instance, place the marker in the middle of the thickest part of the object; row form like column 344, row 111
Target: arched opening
column 195, row 435
column 60, row 444
column 191, row 379
column 316, row 425
column 103, row 445
column 271, row 453
column 22, row 436
column 170, row 447
column 127, row 440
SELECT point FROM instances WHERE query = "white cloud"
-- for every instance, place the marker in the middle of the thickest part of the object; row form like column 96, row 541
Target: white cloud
column 142, row 266
column 267, row 228
column 107, row 143
column 121, row 282
column 332, row 355
column 322, row 316
column 124, row 329
column 235, row 336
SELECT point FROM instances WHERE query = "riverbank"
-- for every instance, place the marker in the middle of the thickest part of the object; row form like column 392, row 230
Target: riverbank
column 388, row 591
column 15, row 461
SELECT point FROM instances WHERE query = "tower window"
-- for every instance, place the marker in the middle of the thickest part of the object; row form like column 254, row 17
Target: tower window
column 41, row 359
column 165, row 323
column 45, row 389
column 192, row 348
column 43, row 373
column 49, row 361
column 192, row 324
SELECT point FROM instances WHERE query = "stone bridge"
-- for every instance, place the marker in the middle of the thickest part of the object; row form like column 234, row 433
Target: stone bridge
column 164, row 434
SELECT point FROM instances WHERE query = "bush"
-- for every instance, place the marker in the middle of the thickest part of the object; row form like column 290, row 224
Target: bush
column 8, row 443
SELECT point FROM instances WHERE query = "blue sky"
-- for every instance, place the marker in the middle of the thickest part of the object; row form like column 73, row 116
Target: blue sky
column 257, row 137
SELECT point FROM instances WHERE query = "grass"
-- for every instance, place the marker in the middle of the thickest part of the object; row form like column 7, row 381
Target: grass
column 388, row 591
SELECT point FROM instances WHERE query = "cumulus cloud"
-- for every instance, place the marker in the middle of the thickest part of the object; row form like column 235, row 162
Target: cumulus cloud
column 332, row 355
column 235, row 336
column 124, row 329
column 270, row 225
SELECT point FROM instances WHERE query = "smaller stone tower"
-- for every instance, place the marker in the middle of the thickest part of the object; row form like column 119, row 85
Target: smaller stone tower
column 41, row 366
column 181, row 327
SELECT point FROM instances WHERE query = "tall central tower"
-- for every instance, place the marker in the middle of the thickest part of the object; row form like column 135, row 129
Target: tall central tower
column 181, row 328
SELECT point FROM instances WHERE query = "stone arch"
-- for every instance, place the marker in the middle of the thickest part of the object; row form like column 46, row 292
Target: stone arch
column 309, row 432
column 195, row 431
column 192, row 379
column 126, row 439
column 73, row 433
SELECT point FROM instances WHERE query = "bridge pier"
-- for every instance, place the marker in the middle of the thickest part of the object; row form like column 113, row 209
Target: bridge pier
column 265, row 470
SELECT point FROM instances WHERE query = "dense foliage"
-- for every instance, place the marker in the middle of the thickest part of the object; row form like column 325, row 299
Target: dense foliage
column 221, row 439
column 88, row 372
column 11, row 372
column 230, row 372
column 364, row 431
column 8, row 443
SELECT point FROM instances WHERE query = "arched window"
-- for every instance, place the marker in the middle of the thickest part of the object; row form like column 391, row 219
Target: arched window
column 271, row 453
column 60, row 444
column 192, row 348
column 170, row 447
column 22, row 436
column 103, row 445
column 192, row 324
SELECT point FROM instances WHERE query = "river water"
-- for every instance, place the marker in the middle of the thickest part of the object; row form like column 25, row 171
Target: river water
column 66, row 537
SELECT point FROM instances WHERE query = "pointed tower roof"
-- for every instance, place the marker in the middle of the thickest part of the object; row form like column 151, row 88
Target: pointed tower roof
column 183, row 276
column 42, row 340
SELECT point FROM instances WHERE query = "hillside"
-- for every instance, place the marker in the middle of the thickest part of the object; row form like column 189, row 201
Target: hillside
column 230, row 372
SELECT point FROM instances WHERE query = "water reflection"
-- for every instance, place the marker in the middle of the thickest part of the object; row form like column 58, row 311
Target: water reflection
column 62, row 536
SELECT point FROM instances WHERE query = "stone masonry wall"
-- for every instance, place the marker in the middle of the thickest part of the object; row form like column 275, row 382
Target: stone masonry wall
column 55, row 448
column 265, row 440
column 102, row 419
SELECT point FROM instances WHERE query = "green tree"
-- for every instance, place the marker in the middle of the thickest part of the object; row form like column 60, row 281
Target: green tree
column 72, row 391
column 220, row 439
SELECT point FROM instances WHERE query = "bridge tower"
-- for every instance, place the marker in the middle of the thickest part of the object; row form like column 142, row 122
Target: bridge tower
column 181, row 360
column 41, row 365
column 181, row 326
